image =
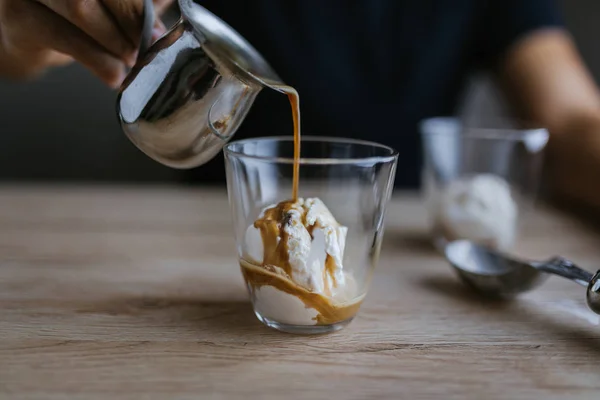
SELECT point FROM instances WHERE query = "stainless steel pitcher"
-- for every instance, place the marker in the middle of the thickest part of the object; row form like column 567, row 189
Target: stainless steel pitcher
column 190, row 91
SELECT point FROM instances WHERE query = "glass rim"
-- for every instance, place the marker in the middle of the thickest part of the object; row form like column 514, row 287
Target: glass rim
column 393, row 156
column 510, row 134
column 476, row 131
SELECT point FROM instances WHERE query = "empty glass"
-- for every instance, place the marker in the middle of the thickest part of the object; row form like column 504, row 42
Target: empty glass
column 354, row 180
column 479, row 182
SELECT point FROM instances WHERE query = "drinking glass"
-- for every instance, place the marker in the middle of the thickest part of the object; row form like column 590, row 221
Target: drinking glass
column 479, row 183
column 353, row 178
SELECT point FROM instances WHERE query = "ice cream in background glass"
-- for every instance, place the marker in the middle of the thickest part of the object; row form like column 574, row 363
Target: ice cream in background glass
column 479, row 183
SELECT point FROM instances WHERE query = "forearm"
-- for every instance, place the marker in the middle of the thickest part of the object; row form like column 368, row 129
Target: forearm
column 549, row 86
column 574, row 162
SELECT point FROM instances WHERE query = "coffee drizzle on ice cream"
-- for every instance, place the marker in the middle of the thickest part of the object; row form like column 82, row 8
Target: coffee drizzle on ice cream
column 329, row 311
column 276, row 252
column 274, row 237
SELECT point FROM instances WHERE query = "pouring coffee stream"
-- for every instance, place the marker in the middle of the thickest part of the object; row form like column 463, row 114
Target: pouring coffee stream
column 295, row 103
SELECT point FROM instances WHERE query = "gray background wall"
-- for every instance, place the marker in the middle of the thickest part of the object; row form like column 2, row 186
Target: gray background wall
column 66, row 121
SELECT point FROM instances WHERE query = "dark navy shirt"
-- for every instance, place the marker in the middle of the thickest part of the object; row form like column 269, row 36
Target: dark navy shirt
column 372, row 69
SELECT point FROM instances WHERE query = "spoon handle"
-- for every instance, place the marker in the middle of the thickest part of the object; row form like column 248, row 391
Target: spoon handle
column 593, row 293
column 565, row 268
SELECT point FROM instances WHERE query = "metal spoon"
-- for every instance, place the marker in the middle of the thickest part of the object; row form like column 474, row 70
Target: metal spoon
column 495, row 274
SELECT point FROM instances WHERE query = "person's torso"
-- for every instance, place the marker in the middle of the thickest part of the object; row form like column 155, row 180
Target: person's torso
column 368, row 69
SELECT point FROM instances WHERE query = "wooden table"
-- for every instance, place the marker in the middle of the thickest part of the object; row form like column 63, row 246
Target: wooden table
column 129, row 293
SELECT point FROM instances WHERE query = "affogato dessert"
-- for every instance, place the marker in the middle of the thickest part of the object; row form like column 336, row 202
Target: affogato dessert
column 293, row 265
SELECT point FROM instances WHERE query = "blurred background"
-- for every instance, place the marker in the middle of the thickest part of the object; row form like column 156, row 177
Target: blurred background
column 63, row 126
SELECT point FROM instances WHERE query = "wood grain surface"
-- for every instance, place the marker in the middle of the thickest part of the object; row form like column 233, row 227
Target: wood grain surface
column 129, row 293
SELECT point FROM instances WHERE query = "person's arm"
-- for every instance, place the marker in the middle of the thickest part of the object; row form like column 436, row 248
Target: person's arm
column 547, row 81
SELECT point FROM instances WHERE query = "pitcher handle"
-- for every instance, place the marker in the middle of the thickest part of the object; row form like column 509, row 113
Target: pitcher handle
column 210, row 123
column 147, row 27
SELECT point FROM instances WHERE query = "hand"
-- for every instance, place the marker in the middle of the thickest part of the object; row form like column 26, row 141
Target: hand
column 103, row 35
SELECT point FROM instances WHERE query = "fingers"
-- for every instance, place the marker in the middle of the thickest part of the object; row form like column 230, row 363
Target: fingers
column 55, row 59
column 29, row 29
column 91, row 17
column 128, row 15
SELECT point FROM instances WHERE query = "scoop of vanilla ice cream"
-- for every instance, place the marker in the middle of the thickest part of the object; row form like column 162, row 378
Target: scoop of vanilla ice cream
column 307, row 254
column 479, row 208
column 253, row 249
column 306, row 265
column 274, row 304
column 328, row 235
